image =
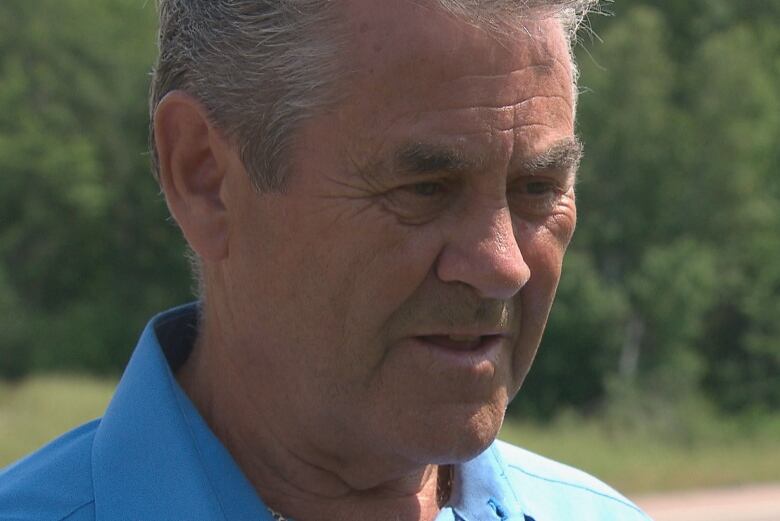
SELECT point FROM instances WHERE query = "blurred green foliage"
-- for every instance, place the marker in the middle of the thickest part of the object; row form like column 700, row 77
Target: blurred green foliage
column 86, row 249
column 671, row 289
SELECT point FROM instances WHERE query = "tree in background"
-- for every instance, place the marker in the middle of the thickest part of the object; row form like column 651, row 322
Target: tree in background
column 86, row 253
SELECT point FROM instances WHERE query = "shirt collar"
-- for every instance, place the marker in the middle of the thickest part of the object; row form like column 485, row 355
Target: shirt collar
column 154, row 457
column 482, row 491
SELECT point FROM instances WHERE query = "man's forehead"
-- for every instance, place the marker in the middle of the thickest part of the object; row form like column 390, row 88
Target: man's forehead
column 403, row 52
column 435, row 92
column 421, row 34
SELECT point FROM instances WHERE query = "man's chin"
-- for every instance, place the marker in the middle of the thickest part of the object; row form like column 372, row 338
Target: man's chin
column 468, row 437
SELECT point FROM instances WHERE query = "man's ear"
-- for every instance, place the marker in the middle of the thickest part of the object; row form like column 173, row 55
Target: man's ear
column 194, row 159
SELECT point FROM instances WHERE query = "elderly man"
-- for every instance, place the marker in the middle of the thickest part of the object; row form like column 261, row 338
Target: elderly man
column 379, row 195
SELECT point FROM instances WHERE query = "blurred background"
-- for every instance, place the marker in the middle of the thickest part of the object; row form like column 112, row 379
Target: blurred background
column 660, row 368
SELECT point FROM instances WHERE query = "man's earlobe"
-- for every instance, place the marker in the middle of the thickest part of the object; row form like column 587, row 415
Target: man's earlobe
column 193, row 164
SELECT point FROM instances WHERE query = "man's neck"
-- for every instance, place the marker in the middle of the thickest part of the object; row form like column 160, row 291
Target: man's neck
column 289, row 482
column 381, row 503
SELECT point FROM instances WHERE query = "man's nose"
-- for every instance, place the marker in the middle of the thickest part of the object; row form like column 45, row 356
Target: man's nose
column 484, row 254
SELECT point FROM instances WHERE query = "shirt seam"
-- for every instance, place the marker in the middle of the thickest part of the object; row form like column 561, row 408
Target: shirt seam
column 580, row 487
column 66, row 516
column 193, row 439
column 92, row 466
column 503, row 466
column 459, row 516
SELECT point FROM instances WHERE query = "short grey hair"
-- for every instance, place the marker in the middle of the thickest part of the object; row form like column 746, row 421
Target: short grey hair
column 260, row 67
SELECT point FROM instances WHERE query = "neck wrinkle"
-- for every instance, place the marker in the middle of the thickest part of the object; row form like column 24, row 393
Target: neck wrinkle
column 288, row 483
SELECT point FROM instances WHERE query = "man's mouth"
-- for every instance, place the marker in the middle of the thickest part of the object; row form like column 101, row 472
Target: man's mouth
column 460, row 342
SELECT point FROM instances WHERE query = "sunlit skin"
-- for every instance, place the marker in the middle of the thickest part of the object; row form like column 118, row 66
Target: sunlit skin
column 371, row 322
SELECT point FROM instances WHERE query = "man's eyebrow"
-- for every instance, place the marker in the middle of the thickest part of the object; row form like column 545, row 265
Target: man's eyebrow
column 563, row 155
column 424, row 158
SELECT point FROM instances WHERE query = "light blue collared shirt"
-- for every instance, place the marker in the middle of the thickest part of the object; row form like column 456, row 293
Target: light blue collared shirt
column 152, row 457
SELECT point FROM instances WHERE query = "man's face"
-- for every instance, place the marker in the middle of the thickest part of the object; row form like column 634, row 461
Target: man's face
column 390, row 302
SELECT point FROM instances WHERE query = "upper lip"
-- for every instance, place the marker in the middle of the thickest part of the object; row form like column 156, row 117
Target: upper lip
column 468, row 333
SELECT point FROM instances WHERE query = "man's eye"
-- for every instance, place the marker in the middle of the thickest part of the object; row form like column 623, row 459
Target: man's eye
column 418, row 203
column 427, row 189
column 539, row 187
column 535, row 195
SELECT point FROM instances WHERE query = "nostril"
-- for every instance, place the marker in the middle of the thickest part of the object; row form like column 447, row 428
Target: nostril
column 485, row 254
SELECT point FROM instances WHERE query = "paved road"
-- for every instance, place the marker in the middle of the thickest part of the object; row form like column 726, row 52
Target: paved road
column 749, row 503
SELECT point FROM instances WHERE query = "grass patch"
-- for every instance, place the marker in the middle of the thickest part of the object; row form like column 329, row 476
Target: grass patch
column 41, row 408
column 634, row 461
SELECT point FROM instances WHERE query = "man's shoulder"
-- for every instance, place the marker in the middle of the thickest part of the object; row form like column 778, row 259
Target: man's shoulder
column 53, row 483
column 553, row 490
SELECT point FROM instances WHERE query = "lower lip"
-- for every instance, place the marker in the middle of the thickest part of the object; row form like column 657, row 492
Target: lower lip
column 486, row 356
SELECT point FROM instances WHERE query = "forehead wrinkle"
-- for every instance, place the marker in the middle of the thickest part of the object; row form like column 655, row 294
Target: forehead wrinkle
column 514, row 118
column 421, row 156
column 460, row 120
column 505, row 107
column 507, row 88
column 554, row 114
column 529, row 68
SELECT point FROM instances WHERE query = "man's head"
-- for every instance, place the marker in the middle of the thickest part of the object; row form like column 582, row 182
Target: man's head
column 262, row 66
column 379, row 312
